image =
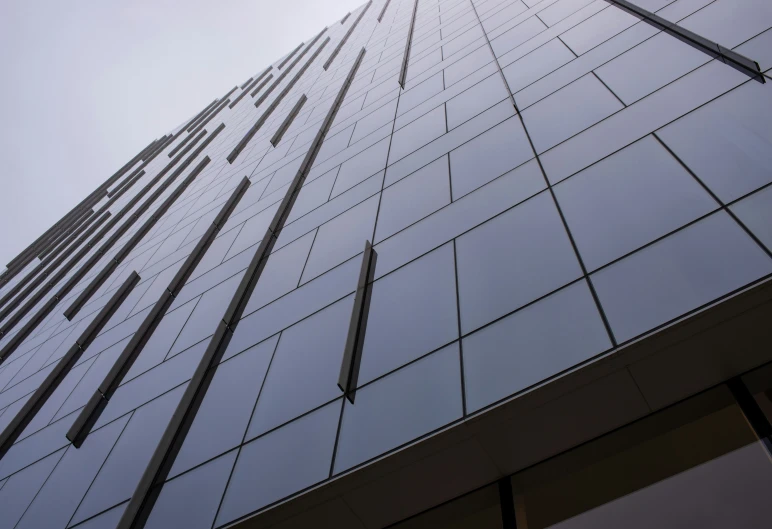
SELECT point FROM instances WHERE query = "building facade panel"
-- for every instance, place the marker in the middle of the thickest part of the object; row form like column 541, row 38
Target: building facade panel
column 559, row 318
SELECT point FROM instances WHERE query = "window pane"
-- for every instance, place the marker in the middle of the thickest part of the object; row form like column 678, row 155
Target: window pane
column 341, row 238
column 511, row 260
column 532, row 344
column 728, row 142
column 675, row 275
column 191, row 500
column 304, row 370
column 755, row 212
column 413, row 198
column 22, row 487
column 418, row 133
column 222, row 419
column 488, row 156
column 400, row 407
column 471, row 102
column 629, row 199
column 569, row 111
column 123, row 469
column 630, row 82
column 412, row 311
column 281, row 463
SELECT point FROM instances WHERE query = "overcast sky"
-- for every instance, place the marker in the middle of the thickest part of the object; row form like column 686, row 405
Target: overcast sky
column 86, row 84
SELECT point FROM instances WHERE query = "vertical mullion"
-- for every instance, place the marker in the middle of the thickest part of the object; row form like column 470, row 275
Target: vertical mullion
column 507, row 503
column 752, row 411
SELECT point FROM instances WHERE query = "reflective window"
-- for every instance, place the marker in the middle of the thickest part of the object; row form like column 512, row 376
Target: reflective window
column 120, row 474
column 31, row 449
column 221, row 420
column 598, row 28
column 629, row 199
column 532, row 344
column 675, row 275
column 471, row 102
column 334, row 144
column 364, row 164
column 64, row 490
column 281, row 463
column 560, row 10
column 411, row 402
column 21, row 488
column 568, row 111
column 302, row 302
column 673, row 58
column 467, row 64
column 282, row 272
column 537, row 64
column 215, row 254
column 413, row 198
column 419, row 93
column 755, row 212
column 304, row 370
column 517, row 35
column 487, row 156
column 511, row 260
column 253, row 230
column 728, row 142
column 209, row 311
column 156, row 348
column 412, row 311
column 57, row 398
column 341, row 238
column 106, row 520
column 417, row 133
column 373, row 121
column 730, row 22
column 192, row 499
column 152, row 383
column 460, row 216
column 313, row 195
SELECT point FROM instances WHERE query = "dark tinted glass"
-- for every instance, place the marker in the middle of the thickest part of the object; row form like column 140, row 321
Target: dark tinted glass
column 59, row 498
column 629, row 199
column 207, row 314
column 568, row 111
column 728, row 142
column 191, row 500
column 532, row 344
column 511, row 260
column 417, row 134
column 487, row 156
column 341, row 238
column 755, row 212
column 22, row 487
column 304, row 371
column 412, row 311
column 688, row 269
column 398, row 408
column 674, row 59
column 221, row 421
column 413, row 198
column 281, row 463
column 124, row 466
column 471, row 102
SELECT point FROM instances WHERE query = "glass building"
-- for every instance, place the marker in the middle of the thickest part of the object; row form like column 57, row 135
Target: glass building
column 447, row 264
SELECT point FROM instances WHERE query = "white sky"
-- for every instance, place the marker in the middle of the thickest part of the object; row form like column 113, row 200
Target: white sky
column 86, row 84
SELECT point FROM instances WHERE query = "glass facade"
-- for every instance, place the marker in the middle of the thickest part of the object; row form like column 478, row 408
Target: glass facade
column 557, row 193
